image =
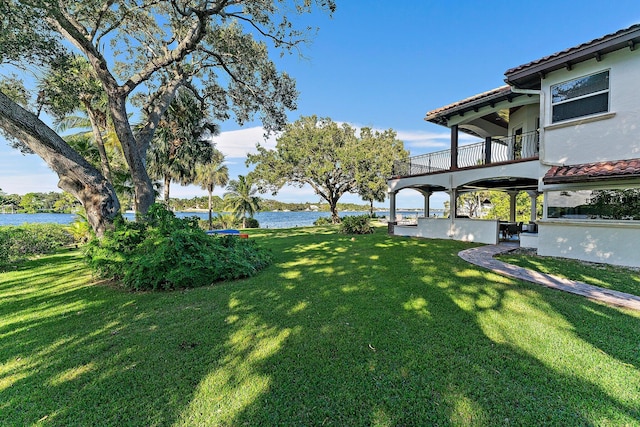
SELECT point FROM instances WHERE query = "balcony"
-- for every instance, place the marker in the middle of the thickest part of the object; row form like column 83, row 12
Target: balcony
column 492, row 151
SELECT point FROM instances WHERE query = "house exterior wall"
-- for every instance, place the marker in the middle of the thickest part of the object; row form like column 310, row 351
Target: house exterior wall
column 463, row 229
column 611, row 242
column 613, row 135
column 603, row 137
column 524, row 118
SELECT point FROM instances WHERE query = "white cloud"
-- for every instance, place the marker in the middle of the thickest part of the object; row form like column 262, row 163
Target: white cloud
column 419, row 142
column 21, row 174
column 29, row 183
column 238, row 143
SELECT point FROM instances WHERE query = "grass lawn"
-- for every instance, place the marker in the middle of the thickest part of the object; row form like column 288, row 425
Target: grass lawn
column 606, row 276
column 370, row 330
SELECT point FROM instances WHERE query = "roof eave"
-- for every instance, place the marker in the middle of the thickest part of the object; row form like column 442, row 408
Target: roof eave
column 588, row 178
column 530, row 76
column 442, row 117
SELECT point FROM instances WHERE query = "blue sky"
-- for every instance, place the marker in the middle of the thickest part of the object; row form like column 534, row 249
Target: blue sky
column 385, row 64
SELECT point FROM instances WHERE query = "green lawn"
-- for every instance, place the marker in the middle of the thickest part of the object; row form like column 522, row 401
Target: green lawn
column 603, row 275
column 370, row 330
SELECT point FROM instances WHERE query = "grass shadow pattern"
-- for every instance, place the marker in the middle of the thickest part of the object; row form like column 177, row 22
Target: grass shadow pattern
column 341, row 330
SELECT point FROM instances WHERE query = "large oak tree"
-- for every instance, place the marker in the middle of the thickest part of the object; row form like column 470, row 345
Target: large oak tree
column 148, row 49
column 330, row 158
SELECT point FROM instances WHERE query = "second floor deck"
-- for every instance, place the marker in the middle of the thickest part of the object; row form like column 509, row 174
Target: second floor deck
column 492, row 151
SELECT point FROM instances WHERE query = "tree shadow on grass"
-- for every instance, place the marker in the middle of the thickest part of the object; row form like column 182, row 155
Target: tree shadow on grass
column 73, row 354
column 614, row 331
column 370, row 331
column 610, row 329
column 414, row 338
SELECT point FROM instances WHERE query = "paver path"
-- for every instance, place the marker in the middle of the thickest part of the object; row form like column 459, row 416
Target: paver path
column 483, row 256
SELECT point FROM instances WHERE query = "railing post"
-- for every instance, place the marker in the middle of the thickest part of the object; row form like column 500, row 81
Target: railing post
column 487, row 150
column 454, row 147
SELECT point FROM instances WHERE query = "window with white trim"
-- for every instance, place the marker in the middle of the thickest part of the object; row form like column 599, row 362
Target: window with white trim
column 580, row 97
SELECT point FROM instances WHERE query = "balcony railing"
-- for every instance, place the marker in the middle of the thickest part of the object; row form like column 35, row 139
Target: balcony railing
column 504, row 150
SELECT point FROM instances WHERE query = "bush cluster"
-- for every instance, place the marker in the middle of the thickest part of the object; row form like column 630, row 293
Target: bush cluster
column 227, row 221
column 323, row 220
column 21, row 242
column 163, row 252
column 356, row 225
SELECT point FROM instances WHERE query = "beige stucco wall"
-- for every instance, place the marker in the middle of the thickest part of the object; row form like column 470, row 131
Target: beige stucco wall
column 611, row 242
column 616, row 135
column 463, row 229
column 524, row 118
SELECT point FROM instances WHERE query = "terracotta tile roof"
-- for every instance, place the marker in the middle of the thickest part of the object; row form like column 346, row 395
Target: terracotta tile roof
column 468, row 103
column 618, row 169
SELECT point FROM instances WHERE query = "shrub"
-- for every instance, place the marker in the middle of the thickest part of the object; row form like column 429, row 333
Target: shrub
column 356, row 225
column 251, row 223
column 165, row 252
column 222, row 221
column 21, row 242
column 80, row 230
column 323, row 220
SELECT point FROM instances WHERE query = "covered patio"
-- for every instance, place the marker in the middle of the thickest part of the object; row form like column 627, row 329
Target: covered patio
column 511, row 178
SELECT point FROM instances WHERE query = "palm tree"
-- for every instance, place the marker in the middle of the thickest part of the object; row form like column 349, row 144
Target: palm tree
column 241, row 200
column 71, row 86
column 210, row 174
column 180, row 142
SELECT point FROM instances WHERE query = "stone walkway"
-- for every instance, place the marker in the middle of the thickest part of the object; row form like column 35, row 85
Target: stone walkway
column 483, row 256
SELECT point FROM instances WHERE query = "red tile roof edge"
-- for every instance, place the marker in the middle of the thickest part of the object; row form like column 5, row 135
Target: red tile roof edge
column 586, row 172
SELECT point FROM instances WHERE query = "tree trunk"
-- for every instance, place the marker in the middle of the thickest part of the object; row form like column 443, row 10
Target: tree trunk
column 143, row 187
column 167, row 184
column 77, row 176
column 335, row 218
column 97, row 135
column 210, row 190
column 370, row 208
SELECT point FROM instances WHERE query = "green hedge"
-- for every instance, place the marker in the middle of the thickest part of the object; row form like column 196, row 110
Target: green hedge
column 21, row 242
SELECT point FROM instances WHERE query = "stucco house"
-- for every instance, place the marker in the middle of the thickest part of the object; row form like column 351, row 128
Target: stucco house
column 566, row 126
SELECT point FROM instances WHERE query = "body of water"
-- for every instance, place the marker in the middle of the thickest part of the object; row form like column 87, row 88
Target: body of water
column 266, row 219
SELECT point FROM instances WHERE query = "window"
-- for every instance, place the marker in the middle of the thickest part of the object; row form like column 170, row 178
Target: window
column 614, row 204
column 580, row 97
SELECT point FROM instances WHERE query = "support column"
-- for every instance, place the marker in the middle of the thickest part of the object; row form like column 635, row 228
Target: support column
column 512, row 205
column 453, row 203
column 426, row 195
column 453, row 209
column 533, row 195
column 392, row 212
column 454, row 147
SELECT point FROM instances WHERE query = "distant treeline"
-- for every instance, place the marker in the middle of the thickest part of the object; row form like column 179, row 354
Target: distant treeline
column 55, row 202
column 266, row 205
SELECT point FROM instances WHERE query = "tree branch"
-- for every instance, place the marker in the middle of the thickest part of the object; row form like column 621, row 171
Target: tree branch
column 155, row 109
column 101, row 14
column 277, row 40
